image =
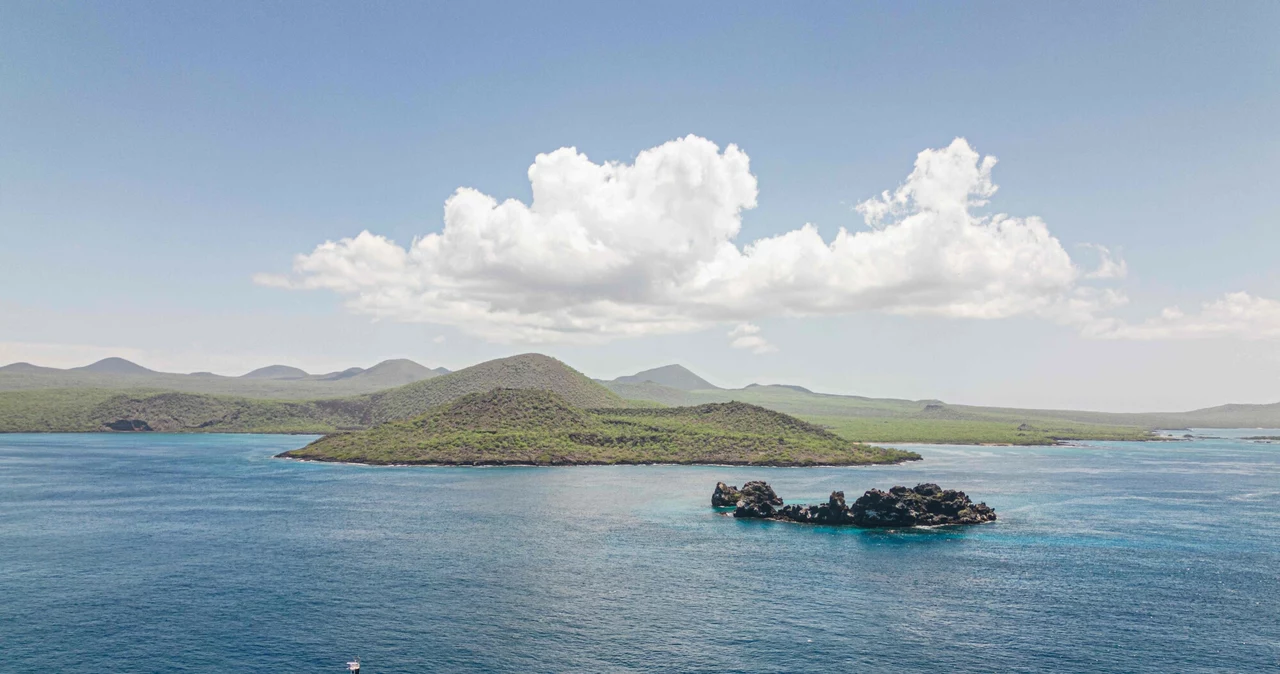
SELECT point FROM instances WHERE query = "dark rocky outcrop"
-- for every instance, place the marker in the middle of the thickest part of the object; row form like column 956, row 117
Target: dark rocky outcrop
column 923, row 506
column 756, row 500
column 725, row 496
column 128, row 425
column 900, row 507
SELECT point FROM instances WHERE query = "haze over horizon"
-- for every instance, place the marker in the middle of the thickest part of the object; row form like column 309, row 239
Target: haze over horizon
column 798, row 196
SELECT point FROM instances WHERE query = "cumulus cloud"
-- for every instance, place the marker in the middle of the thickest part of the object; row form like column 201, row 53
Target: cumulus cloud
column 1238, row 314
column 747, row 336
column 1110, row 266
column 612, row 250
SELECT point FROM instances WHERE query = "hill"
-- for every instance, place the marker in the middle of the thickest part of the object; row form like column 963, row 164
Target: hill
column 674, row 376
column 538, row 427
column 276, row 372
column 526, row 371
column 26, row 368
column 90, row 409
column 271, row 382
column 114, row 366
column 396, row 372
column 897, row 420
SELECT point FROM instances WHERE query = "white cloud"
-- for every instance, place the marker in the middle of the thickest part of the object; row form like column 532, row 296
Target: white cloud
column 747, row 336
column 438, row 339
column 1238, row 315
column 1110, row 266
column 615, row 250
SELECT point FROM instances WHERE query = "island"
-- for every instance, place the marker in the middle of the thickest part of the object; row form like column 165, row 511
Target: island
column 535, row 427
column 925, row 505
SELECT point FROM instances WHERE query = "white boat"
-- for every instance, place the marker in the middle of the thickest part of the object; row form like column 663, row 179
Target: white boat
column 354, row 666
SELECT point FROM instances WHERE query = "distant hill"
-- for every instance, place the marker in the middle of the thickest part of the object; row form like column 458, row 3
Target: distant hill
column 276, row 372
column 97, row 409
column 344, row 374
column 674, row 376
column 526, row 371
column 273, row 381
column 396, row 372
column 508, row 426
column 27, row 368
column 87, row 399
column 114, row 366
column 88, row 410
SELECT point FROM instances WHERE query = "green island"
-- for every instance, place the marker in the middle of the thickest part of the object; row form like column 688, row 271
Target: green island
column 533, row 427
column 115, row 395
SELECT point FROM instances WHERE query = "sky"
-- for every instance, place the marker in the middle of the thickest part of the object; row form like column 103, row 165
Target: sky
column 1025, row 204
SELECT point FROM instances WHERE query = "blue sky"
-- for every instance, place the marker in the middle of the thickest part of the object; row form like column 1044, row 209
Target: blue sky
column 154, row 158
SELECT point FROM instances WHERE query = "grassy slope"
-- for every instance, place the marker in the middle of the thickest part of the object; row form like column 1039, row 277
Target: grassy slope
column 84, row 410
column 894, row 420
column 210, row 384
column 87, row 409
column 507, row 426
column 856, row 418
column 530, row 370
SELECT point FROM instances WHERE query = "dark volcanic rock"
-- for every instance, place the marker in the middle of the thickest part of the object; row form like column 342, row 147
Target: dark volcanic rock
column 756, row 500
column 128, row 425
column 925, row 505
column 725, row 496
column 833, row 511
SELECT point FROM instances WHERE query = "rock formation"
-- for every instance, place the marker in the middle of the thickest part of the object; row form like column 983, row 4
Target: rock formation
column 923, row 505
column 756, row 500
column 725, row 496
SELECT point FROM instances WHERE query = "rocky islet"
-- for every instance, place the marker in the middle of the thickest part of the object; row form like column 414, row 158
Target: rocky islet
column 924, row 505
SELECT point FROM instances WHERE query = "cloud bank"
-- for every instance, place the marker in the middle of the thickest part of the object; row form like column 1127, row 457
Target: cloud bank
column 614, row 250
column 1237, row 315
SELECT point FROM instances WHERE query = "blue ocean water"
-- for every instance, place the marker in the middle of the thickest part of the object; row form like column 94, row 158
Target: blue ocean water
column 201, row 553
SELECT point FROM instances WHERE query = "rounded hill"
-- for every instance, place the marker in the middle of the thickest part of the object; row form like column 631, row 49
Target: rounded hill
column 526, row 371
column 505, row 409
column 508, row 426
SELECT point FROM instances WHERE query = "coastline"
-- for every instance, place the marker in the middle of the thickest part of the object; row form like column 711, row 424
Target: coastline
column 515, row 464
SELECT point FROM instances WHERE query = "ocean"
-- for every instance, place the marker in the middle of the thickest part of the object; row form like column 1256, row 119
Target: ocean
column 202, row 553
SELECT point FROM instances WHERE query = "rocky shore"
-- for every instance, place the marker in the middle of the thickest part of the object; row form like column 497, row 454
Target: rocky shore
column 925, row 505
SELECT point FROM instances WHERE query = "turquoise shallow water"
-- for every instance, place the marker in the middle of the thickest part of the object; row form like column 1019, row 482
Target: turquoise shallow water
column 201, row 553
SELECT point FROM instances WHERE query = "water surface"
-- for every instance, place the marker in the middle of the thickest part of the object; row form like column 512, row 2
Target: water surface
column 201, row 553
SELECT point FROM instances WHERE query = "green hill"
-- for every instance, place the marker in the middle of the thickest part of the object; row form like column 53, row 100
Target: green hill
column 46, row 399
column 88, row 410
column 526, row 371
column 98, row 409
column 271, row 382
column 506, row 426
column 897, row 420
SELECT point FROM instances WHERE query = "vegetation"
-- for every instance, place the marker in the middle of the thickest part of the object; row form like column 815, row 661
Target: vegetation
column 88, row 409
column 899, row 429
column 508, row 426
column 154, row 403
column 527, row 371
column 895, row 420
column 84, row 410
column 272, row 382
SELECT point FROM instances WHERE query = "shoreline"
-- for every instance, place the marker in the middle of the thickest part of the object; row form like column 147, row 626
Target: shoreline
column 587, row 464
